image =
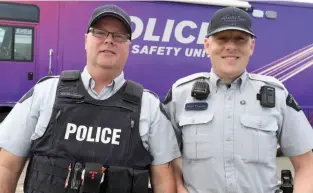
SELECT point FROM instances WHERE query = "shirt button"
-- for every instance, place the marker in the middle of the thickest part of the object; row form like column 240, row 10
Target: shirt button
column 229, row 116
column 228, row 139
column 243, row 102
column 229, row 98
column 229, row 161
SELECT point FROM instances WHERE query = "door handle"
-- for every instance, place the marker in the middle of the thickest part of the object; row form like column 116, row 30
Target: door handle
column 50, row 62
column 30, row 76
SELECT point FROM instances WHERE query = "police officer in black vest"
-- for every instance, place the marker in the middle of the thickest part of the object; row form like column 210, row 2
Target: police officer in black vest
column 90, row 131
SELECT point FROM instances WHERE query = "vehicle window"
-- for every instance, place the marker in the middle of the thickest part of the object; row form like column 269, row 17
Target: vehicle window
column 16, row 43
column 5, row 43
column 23, row 42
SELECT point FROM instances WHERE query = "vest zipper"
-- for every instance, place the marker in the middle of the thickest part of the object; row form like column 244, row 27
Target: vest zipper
column 132, row 123
column 57, row 116
column 55, row 124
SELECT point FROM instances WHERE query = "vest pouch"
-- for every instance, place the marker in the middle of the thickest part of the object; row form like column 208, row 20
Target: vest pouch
column 117, row 180
column 92, row 178
column 140, row 181
column 47, row 175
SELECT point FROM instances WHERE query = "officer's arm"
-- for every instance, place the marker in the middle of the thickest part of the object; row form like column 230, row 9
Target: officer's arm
column 296, row 140
column 162, row 145
column 15, row 133
column 164, row 148
column 11, row 167
column 169, row 105
column 303, row 165
column 162, row 178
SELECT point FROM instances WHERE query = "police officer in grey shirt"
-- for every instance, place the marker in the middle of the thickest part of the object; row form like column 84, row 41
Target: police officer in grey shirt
column 229, row 121
column 58, row 125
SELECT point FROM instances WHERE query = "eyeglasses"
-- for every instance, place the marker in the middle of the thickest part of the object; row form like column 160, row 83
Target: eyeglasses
column 103, row 34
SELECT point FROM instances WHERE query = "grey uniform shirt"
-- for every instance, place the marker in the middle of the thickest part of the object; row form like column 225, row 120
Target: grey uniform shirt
column 28, row 120
column 230, row 146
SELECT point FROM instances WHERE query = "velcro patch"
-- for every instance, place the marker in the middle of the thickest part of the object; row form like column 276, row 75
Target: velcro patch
column 196, row 106
column 70, row 95
column 291, row 102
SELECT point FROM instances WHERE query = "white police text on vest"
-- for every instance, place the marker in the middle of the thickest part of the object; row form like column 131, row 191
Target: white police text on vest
column 83, row 133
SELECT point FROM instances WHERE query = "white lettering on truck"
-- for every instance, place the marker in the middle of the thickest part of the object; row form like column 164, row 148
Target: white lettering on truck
column 179, row 31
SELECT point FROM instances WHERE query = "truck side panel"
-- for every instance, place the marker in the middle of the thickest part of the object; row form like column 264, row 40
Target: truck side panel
column 168, row 44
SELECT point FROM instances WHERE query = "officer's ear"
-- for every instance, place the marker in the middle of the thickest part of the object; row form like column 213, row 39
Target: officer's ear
column 207, row 45
column 252, row 45
column 86, row 36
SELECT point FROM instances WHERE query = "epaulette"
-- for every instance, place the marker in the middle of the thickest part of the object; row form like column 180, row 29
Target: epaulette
column 267, row 79
column 153, row 93
column 190, row 78
column 46, row 78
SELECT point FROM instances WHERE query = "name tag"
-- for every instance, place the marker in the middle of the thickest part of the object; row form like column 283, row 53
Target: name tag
column 198, row 106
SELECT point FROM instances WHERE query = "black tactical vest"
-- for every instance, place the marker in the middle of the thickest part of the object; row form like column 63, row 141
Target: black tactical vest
column 92, row 140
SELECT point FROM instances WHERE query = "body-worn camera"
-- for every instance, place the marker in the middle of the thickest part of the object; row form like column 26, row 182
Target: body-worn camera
column 267, row 96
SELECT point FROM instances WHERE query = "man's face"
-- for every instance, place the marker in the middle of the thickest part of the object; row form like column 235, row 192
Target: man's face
column 229, row 52
column 103, row 50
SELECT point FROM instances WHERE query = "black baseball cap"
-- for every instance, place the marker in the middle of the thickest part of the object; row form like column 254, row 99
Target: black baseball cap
column 230, row 18
column 111, row 10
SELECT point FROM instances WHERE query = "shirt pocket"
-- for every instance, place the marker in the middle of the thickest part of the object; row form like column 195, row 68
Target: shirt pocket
column 257, row 138
column 195, row 135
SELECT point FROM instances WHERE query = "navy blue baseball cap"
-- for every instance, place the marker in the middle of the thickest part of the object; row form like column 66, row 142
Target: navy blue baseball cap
column 230, row 18
column 113, row 11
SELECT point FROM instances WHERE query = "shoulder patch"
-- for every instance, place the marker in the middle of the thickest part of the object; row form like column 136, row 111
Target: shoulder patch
column 267, row 79
column 153, row 93
column 27, row 95
column 168, row 97
column 191, row 77
column 291, row 102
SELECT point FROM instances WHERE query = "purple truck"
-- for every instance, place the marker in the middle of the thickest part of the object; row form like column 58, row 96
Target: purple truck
column 43, row 38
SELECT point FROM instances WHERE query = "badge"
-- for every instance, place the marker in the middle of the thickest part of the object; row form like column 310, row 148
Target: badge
column 196, row 106
column 291, row 102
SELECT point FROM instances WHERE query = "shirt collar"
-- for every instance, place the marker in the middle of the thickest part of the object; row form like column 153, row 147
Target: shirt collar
column 89, row 83
column 216, row 80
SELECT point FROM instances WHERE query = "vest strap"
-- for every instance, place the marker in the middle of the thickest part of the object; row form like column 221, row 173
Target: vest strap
column 133, row 92
column 51, row 170
column 70, row 75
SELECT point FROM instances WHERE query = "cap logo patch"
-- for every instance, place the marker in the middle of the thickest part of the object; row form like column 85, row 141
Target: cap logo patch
column 233, row 18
